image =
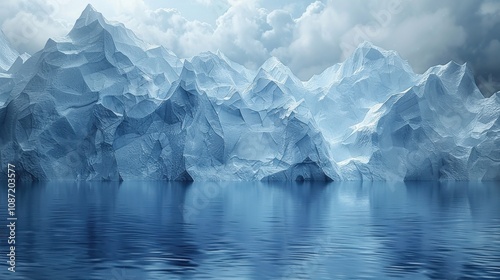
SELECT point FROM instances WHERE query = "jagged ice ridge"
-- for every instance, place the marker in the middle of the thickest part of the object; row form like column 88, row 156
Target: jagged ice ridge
column 100, row 104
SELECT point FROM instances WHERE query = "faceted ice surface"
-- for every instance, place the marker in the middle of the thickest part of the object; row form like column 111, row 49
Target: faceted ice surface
column 101, row 104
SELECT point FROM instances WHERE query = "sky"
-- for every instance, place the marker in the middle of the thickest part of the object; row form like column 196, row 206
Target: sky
column 307, row 36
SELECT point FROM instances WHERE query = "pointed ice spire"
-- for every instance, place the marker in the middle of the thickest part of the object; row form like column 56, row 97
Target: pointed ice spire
column 367, row 55
column 280, row 72
column 92, row 24
column 89, row 15
column 456, row 77
column 249, row 74
column 273, row 63
column 366, row 51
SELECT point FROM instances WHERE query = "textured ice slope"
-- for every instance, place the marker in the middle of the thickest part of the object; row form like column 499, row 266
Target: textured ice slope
column 101, row 104
column 389, row 123
column 7, row 55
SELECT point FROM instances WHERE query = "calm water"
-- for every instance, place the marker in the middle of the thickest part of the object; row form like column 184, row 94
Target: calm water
column 255, row 231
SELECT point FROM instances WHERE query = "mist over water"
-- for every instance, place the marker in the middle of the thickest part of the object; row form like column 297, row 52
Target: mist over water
column 159, row 230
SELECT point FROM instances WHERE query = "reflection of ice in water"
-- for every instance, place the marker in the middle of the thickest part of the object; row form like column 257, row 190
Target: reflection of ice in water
column 259, row 231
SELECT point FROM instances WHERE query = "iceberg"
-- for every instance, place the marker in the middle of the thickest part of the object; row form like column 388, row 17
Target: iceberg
column 101, row 104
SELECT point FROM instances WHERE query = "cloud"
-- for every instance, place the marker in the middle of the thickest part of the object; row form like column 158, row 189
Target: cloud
column 27, row 24
column 316, row 40
column 280, row 33
column 424, row 32
column 169, row 28
column 239, row 33
column 425, row 40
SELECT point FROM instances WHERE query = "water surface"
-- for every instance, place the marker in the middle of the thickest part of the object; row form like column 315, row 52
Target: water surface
column 255, row 231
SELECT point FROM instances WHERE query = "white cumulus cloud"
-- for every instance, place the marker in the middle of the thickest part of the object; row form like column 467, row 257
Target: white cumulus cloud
column 250, row 31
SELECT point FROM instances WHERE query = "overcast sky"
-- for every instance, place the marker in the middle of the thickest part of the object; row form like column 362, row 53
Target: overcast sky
column 306, row 35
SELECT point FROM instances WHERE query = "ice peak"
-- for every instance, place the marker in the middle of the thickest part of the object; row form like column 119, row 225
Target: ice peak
column 89, row 9
column 273, row 63
column 236, row 66
column 221, row 54
column 449, row 69
column 92, row 25
column 275, row 68
column 366, row 51
column 88, row 16
column 280, row 72
column 90, row 13
column 367, row 54
column 367, row 45
column 207, row 55
column 208, row 61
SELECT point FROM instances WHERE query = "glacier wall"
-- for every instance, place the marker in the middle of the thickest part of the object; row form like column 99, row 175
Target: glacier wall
column 100, row 104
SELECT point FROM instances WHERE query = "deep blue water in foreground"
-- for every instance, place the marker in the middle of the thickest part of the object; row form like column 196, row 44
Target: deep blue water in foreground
column 255, row 231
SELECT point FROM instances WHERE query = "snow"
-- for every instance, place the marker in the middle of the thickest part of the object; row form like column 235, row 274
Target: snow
column 100, row 104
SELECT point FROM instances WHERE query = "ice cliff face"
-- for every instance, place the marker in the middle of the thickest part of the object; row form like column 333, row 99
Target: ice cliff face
column 101, row 104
